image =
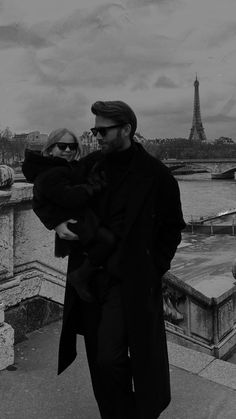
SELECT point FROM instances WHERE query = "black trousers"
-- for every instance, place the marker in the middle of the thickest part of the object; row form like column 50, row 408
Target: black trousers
column 107, row 353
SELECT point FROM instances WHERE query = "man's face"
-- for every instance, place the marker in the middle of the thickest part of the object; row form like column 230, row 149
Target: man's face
column 113, row 139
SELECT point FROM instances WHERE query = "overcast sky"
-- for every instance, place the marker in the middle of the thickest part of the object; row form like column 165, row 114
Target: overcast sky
column 59, row 56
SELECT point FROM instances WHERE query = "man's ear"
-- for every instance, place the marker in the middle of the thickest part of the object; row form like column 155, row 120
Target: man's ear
column 127, row 129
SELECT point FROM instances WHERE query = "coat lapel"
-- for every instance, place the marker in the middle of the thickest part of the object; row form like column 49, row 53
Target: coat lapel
column 140, row 184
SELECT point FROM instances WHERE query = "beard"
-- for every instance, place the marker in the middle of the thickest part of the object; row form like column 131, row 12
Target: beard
column 114, row 145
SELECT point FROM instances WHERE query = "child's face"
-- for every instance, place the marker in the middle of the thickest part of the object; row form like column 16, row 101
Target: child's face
column 66, row 148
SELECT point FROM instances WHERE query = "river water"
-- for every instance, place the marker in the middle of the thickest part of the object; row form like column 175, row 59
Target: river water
column 201, row 196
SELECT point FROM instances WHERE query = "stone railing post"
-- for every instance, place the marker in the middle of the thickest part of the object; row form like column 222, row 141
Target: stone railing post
column 202, row 321
column 6, row 254
column 6, row 341
column 6, row 245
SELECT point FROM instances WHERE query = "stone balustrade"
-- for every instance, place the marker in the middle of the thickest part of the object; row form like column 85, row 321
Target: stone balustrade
column 28, row 270
column 208, row 318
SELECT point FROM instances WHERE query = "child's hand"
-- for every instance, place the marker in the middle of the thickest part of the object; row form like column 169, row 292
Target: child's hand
column 63, row 231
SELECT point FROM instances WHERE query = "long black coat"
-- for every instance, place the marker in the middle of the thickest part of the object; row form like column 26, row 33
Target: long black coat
column 153, row 227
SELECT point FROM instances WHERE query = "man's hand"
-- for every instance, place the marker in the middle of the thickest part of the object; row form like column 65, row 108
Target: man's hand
column 63, row 231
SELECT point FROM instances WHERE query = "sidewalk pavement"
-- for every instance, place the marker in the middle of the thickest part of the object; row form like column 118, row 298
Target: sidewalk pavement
column 202, row 386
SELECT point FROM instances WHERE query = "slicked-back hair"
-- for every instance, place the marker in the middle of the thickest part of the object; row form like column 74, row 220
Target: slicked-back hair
column 118, row 111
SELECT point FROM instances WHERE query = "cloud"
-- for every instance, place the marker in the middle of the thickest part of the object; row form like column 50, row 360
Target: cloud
column 160, row 3
column 84, row 21
column 107, row 62
column 64, row 57
column 18, row 35
column 230, row 104
column 140, row 84
column 165, row 82
column 181, row 111
column 165, row 120
column 54, row 108
column 225, row 116
column 103, row 48
column 219, row 118
column 223, row 34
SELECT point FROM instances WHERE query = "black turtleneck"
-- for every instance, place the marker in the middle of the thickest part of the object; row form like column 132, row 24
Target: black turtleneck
column 112, row 203
column 117, row 164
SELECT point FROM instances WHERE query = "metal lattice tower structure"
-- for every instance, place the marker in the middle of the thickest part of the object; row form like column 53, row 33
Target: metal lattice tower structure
column 197, row 132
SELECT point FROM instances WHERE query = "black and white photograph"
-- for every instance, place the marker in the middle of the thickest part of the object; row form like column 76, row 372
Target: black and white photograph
column 117, row 209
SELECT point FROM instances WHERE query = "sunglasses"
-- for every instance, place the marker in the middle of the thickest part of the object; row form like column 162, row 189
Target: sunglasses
column 103, row 130
column 63, row 146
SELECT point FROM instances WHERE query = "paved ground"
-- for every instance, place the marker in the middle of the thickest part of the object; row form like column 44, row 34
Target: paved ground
column 32, row 390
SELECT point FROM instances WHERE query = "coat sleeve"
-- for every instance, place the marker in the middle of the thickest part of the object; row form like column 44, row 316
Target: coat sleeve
column 49, row 214
column 58, row 195
column 56, row 186
column 55, row 199
column 169, row 222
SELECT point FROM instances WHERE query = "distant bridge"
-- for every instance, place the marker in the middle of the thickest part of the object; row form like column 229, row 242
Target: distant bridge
column 219, row 168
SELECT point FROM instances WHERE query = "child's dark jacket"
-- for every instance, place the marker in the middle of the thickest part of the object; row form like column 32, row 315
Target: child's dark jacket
column 59, row 193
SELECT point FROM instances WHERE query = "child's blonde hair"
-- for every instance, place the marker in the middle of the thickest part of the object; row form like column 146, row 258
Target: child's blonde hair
column 55, row 136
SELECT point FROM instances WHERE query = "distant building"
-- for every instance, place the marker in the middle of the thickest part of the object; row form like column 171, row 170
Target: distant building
column 36, row 140
column 20, row 137
column 223, row 140
column 89, row 142
column 139, row 138
column 159, row 140
column 197, row 132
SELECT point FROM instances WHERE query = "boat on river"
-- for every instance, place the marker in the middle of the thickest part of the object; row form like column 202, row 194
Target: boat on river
column 223, row 222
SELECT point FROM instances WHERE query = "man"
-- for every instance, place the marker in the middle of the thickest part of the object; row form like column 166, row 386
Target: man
column 124, row 328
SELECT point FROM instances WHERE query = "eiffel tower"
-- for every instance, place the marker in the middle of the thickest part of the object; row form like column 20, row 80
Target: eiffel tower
column 197, row 131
